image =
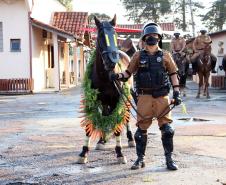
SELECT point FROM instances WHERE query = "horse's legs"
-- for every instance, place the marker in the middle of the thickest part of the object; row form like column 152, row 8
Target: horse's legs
column 100, row 144
column 129, row 134
column 83, row 156
column 183, row 85
column 207, row 86
column 118, row 149
column 200, row 85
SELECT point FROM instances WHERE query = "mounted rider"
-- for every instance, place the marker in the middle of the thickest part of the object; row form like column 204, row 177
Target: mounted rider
column 201, row 42
column 177, row 44
column 153, row 67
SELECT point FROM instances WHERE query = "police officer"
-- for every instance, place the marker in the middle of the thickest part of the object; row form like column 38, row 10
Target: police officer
column 178, row 44
column 153, row 67
column 200, row 42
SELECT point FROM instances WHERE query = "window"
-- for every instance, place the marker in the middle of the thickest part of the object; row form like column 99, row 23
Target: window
column 1, row 37
column 15, row 45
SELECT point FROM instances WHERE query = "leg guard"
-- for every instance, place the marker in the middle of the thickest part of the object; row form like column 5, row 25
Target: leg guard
column 141, row 143
column 167, row 142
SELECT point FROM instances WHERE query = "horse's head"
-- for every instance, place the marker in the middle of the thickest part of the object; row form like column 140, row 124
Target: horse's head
column 128, row 47
column 107, row 43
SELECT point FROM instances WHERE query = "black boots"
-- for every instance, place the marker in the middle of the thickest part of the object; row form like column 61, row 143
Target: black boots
column 167, row 142
column 141, row 143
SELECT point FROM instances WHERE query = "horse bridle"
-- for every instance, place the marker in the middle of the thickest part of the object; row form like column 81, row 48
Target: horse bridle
column 111, row 49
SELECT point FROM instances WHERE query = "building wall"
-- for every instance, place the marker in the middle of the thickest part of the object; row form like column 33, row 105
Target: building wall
column 39, row 59
column 14, row 18
column 43, row 11
column 215, row 47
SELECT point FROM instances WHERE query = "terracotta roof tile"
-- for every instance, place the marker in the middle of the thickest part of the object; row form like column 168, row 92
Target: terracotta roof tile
column 72, row 22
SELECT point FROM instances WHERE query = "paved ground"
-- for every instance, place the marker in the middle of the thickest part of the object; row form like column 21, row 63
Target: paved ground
column 41, row 138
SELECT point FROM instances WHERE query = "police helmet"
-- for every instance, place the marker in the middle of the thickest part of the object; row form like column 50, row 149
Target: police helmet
column 176, row 33
column 203, row 29
column 151, row 28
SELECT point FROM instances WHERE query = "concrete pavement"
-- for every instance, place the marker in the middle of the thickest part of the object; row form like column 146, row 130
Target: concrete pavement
column 41, row 138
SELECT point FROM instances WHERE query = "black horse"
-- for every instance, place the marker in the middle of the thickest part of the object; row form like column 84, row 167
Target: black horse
column 183, row 66
column 105, row 63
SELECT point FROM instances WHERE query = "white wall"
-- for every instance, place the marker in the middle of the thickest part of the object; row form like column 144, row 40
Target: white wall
column 39, row 60
column 215, row 47
column 43, row 11
column 15, row 26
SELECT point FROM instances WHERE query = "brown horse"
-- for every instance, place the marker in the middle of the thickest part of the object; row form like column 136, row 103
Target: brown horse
column 128, row 47
column 204, row 68
column 101, row 97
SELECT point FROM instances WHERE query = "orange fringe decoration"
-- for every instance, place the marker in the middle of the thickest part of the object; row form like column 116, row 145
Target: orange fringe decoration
column 95, row 133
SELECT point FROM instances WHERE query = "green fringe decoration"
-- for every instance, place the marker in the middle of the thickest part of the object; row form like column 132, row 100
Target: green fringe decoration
column 93, row 108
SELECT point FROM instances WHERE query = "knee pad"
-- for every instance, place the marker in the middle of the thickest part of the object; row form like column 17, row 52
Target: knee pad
column 167, row 131
column 140, row 134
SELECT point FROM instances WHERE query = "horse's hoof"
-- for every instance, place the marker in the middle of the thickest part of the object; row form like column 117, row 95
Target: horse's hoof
column 197, row 96
column 122, row 160
column 100, row 146
column 82, row 160
column 131, row 144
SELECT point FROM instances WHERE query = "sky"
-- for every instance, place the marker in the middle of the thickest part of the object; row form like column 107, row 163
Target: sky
column 110, row 7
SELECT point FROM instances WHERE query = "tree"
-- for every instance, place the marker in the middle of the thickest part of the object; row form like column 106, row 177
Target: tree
column 67, row 4
column 146, row 10
column 102, row 17
column 181, row 8
column 215, row 18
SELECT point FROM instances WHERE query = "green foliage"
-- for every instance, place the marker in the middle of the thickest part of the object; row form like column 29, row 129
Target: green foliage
column 102, row 17
column 67, row 4
column 93, row 107
column 146, row 10
column 215, row 18
column 180, row 10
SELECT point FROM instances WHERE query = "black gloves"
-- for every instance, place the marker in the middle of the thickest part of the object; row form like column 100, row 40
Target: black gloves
column 114, row 76
column 117, row 76
column 177, row 98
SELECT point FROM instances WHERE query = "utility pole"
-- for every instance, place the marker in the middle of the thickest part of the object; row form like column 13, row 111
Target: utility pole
column 192, row 18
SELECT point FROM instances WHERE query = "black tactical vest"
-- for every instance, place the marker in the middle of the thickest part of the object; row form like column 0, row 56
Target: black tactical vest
column 151, row 77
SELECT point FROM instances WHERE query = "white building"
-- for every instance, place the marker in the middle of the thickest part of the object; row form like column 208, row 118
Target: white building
column 34, row 54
